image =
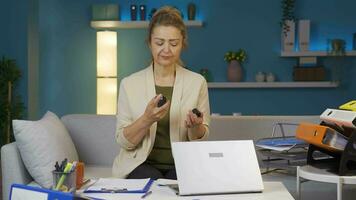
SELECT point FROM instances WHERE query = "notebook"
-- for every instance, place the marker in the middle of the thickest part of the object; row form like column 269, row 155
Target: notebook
column 216, row 167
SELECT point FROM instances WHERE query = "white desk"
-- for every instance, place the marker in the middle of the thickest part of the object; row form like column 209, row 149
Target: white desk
column 272, row 191
column 309, row 172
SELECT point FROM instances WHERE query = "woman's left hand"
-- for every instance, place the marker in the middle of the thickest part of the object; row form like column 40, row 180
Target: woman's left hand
column 192, row 120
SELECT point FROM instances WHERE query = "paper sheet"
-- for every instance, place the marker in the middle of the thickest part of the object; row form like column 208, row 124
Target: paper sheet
column 166, row 182
column 276, row 148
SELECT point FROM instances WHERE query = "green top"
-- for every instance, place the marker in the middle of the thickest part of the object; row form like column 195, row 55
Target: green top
column 161, row 154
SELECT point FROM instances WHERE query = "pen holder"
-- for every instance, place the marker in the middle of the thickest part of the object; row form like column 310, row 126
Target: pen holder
column 64, row 181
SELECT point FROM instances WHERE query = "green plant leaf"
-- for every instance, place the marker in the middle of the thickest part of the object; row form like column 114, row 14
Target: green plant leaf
column 9, row 73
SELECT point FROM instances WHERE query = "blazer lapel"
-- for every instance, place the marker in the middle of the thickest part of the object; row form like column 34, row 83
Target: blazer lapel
column 150, row 93
column 175, row 113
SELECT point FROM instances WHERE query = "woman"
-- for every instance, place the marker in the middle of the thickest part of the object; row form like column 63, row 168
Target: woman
column 145, row 130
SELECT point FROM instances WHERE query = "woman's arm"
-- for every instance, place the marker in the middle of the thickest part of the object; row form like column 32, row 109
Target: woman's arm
column 136, row 131
column 198, row 127
column 130, row 132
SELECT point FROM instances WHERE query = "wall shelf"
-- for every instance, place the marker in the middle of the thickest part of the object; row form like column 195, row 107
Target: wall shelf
column 312, row 53
column 309, row 84
column 114, row 25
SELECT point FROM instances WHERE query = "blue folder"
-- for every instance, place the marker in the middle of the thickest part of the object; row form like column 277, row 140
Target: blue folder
column 28, row 192
column 19, row 192
column 143, row 190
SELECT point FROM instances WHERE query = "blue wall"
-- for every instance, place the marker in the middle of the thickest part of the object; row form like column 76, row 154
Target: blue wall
column 68, row 51
column 13, row 38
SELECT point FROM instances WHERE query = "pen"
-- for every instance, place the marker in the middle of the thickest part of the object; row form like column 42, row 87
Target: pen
column 85, row 181
column 56, row 166
column 146, row 194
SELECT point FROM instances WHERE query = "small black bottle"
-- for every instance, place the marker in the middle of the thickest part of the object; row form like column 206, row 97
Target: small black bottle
column 133, row 11
column 142, row 12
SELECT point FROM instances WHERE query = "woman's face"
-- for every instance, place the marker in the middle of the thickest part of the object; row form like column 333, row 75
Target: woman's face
column 166, row 45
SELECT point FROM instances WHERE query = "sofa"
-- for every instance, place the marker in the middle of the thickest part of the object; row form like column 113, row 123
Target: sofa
column 93, row 137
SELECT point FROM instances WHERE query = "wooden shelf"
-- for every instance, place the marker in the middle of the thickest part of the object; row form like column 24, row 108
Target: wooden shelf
column 312, row 53
column 316, row 84
column 114, row 25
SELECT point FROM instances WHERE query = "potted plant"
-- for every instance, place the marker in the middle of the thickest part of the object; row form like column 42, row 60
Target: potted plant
column 235, row 60
column 11, row 106
column 287, row 14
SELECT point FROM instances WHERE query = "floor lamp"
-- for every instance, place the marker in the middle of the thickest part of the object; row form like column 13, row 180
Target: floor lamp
column 106, row 72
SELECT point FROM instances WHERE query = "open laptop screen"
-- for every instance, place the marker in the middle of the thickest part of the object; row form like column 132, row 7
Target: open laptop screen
column 214, row 167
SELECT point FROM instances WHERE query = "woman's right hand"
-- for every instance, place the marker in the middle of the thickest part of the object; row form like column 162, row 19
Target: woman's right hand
column 153, row 113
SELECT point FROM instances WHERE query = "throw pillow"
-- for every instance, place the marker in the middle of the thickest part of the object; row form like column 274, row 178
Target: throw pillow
column 41, row 143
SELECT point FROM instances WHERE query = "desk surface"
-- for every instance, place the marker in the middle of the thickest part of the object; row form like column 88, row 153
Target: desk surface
column 272, row 191
column 323, row 175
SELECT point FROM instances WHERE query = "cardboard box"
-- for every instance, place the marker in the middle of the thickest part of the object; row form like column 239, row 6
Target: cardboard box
column 316, row 73
column 101, row 12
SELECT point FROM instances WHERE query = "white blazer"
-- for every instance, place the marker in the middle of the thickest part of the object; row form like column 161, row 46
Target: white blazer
column 190, row 91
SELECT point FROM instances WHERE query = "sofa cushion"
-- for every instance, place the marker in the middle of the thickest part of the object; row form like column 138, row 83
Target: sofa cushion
column 94, row 137
column 41, row 143
column 97, row 171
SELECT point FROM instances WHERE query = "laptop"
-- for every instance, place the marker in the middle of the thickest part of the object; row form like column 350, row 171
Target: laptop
column 217, row 167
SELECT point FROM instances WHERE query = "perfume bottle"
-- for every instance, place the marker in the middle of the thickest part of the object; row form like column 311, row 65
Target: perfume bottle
column 133, row 11
column 153, row 10
column 142, row 12
column 191, row 11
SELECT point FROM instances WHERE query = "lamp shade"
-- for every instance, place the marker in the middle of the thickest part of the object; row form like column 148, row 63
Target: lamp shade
column 106, row 96
column 106, row 53
column 106, row 72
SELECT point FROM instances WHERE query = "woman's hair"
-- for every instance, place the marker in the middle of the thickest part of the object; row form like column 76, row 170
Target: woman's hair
column 168, row 16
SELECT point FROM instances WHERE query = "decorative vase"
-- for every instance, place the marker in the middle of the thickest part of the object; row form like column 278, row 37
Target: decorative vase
column 338, row 47
column 288, row 36
column 260, row 77
column 270, row 77
column 234, row 71
column 191, row 11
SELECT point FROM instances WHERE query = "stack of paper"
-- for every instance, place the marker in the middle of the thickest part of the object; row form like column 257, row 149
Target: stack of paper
column 280, row 144
column 335, row 140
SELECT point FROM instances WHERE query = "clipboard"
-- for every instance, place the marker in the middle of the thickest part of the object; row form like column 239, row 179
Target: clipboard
column 109, row 189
